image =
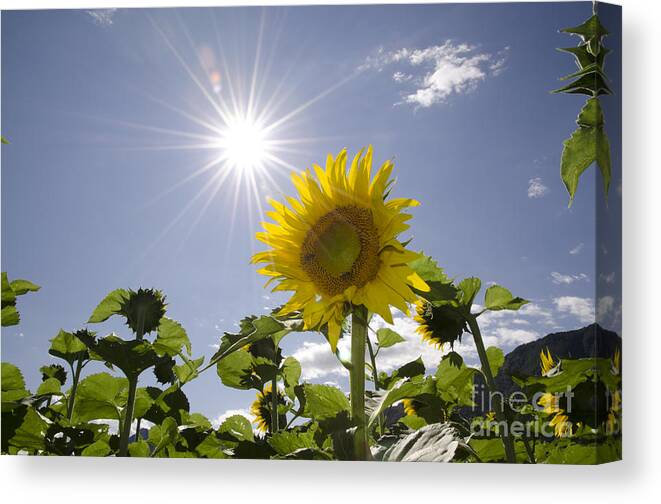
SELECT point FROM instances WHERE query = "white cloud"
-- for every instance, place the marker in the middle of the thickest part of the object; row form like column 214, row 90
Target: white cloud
column 103, row 17
column 559, row 278
column 216, row 422
column 317, row 360
column 581, row 308
column 577, row 249
column 536, row 188
column 438, row 71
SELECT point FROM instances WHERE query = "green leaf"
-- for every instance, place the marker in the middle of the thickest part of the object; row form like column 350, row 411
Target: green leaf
column 171, row 338
column 496, row 359
column 10, row 316
column 585, row 146
column 387, row 338
column 235, row 370
column 21, row 287
column 323, row 401
column 111, row 305
column 188, row 370
column 402, row 389
column 13, row 386
column 238, row 427
column 286, row 442
column 590, row 82
column 139, row 448
column 132, row 356
column 455, row 385
column 23, row 429
column 590, row 29
column 68, row 347
column 291, row 373
column 468, row 289
column 100, row 396
column 432, row 443
column 49, row 386
column 499, row 298
column 428, row 269
column 584, row 58
column 99, row 448
column 211, row 447
column 8, row 294
column 164, row 435
column 143, row 402
column 4, row 140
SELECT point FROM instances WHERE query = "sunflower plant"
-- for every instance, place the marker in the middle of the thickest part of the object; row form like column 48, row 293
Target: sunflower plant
column 336, row 247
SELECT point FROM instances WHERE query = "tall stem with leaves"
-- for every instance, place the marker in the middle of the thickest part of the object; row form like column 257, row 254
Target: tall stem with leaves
column 501, row 414
column 130, row 402
column 357, row 381
column 274, row 405
column 74, row 387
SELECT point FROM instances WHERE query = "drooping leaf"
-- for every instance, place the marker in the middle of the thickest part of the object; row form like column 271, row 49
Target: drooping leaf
column 291, row 373
column 164, row 435
column 132, row 356
column 454, row 358
column 402, row 389
column 585, row 146
column 468, row 289
column 21, row 287
column 496, row 359
column 23, row 429
column 188, row 370
column 431, row 443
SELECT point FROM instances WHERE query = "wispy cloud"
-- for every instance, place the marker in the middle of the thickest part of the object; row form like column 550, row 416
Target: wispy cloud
column 536, row 188
column 560, row 279
column 103, row 17
column 577, row 249
column 581, row 308
column 435, row 73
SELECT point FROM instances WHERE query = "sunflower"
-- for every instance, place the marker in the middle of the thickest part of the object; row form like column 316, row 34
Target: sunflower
column 560, row 421
column 438, row 325
column 546, row 362
column 261, row 409
column 411, row 406
column 336, row 245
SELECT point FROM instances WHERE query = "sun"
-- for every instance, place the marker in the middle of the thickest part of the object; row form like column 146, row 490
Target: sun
column 243, row 143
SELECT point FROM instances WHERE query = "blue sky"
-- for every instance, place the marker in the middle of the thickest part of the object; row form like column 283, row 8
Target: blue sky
column 102, row 188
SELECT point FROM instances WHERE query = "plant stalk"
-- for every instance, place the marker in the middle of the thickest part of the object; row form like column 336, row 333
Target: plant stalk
column 375, row 377
column 357, row 381
column 274, row 405
column 501, row 414
column 74, row 388
column 130, row 403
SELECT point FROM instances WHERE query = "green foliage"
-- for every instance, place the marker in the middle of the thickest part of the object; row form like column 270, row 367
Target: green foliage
column 387, row 337
column 588, row 143
column 10, row 290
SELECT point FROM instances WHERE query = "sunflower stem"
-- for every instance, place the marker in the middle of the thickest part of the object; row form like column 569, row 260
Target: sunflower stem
column 375, row 376
column 357, row 381
column 74, row 388
column 274, row 405
column 130, row 403
column 500, row 408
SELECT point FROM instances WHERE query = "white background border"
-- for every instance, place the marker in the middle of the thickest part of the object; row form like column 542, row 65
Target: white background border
column 637, row 478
